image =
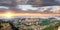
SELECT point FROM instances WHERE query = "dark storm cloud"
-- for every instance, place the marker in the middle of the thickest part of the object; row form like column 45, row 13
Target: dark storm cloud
column 44, row 2
column 37, row 3
column 31, row 2
column 7, row 3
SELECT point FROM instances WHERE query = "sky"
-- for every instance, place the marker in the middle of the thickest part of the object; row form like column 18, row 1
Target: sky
column 46, row 6
column 26, row 7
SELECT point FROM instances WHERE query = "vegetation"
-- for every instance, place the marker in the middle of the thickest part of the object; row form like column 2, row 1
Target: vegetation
column 28, row 29
column 0, row 25
column 17, row 25
column 45, row 22
column 53, row 27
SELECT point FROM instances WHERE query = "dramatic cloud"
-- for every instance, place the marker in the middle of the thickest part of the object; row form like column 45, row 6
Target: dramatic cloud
column 26, row 7
column 57, row 1
column 4, row 7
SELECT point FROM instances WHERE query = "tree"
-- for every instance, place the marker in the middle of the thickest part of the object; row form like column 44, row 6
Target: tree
column 0, row 25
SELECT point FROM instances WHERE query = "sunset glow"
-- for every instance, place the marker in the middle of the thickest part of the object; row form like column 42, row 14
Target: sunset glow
column 10, row 14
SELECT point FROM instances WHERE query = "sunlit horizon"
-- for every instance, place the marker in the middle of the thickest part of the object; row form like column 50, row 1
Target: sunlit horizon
column 10, row 13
